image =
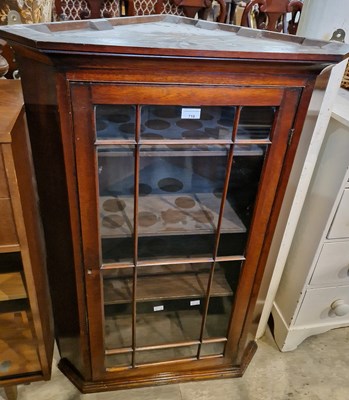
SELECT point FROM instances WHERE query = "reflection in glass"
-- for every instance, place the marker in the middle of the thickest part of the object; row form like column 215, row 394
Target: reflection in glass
column 190, row 123
column 220, row 304
column 118, row 360
column 117, row 290
column 181, row 210
column 168, row 354
column 115, row 121
column 255, row 122
column 116, row 204
column 170, row 302
column 242, row 190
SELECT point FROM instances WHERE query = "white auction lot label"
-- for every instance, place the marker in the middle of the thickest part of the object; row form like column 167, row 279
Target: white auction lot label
column 191, row 113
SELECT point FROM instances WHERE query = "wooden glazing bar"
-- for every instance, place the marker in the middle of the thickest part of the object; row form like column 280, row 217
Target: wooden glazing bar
column 211, row 356
column 226, row 182
column 136, row 183
column 236, row 125
column 168, row 345
column 111, row 352
column 219, row 223
column 207, row 299
column 117, row 266
column 134, row 306
column 135, row 230
column 183, row 153
column 175, row 261
column 113, row 142
column 252, row 141
column 230, row 258
column 214, row 340
column 185, row 142
column 123, row 350
column 120, row 142
column 272, row 130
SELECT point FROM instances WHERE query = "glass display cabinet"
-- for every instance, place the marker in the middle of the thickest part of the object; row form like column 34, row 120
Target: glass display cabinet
column 162, row 147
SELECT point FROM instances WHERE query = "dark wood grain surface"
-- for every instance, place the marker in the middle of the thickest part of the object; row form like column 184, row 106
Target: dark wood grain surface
column 172, row 35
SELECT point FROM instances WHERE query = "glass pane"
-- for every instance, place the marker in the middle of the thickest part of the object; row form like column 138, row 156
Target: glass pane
column 170, row 303
column 191, row 123
column 226, row 274
column 255, row 122
column 210, row 349
column 117, row 290
column 115, row 121
column 118, row 360
column 242, row 190
column 178, row 215
column 160, row 355
column 116, row 183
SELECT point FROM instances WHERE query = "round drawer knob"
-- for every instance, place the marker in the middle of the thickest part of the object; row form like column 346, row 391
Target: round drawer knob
column 340, row 308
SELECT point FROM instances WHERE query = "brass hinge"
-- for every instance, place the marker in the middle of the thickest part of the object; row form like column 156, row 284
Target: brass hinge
column 290, row 136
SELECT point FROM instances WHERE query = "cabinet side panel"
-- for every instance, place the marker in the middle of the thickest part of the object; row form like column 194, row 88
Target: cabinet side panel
column 265, row 273
column 44, row 129
column 32, row 242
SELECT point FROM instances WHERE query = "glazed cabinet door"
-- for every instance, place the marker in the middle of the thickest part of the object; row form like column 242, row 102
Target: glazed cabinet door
column 176, row 186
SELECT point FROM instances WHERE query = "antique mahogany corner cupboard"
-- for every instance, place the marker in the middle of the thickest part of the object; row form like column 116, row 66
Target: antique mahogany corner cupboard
column 162, row 147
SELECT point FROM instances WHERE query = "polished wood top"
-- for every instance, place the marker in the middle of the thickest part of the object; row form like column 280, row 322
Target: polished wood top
column 11, row 104
column 165, row 35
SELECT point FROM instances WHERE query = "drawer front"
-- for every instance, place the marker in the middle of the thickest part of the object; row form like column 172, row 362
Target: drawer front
column 340, row 225
column 333, row 264
column 3, row 180
column 316, row 308
column 8, row 233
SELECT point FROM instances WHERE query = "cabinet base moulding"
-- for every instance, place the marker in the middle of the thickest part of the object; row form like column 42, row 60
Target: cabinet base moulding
column 157, row 379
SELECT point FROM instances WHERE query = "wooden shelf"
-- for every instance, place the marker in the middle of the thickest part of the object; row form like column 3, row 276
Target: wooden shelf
column 11, row 286
column 11, row 248
column 186, row 285
column 190, row 150
column 15, row 305
column 17, row 347
column 163, row 217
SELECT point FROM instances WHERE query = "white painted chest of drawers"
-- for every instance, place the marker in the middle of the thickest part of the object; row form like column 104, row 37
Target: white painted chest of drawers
column 313, row 296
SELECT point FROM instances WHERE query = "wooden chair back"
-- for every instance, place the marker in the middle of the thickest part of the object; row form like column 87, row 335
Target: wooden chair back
column 187, row 8
column 89, row 9
column 271, row 15
column 86, row 9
